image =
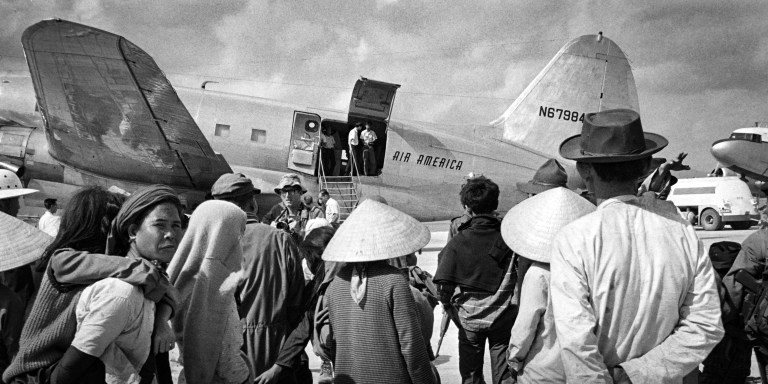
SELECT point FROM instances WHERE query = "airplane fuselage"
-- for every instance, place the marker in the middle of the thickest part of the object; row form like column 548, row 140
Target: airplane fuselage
column 745, row 152
column 424, row 164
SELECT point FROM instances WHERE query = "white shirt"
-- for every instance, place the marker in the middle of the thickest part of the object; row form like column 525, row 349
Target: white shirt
column 533, row 349
column 352, row 137
column 114, row 323
column 49, row 223
column 332, row 210
column 369, row 136
column 632, row 285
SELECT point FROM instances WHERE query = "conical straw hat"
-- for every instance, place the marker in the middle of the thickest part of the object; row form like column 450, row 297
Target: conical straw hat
column 20, row 243
column 374, row 231
column 530, row 227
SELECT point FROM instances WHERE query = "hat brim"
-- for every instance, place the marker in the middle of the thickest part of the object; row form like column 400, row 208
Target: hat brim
column 571, row 150
column 21, row 243
column 8, row 193
column 375, row 231
column 277, row 190
column 534, row 188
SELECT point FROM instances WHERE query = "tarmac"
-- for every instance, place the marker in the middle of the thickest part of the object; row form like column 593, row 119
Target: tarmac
column 448, row 361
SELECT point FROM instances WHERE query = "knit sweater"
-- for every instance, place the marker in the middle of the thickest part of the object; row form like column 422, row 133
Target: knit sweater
column 47, row 333
column 51, row 325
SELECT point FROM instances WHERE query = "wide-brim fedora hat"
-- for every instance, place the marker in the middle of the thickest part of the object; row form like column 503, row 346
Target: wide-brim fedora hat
column 20, row 243
column 550, row 175
column 375, row 231
column 529, row 228
column 612, row 136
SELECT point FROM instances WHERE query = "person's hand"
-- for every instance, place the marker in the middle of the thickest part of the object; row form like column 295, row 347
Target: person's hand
column 322, row 316
column 676, row 164
column 270, row 375
column 163, row 338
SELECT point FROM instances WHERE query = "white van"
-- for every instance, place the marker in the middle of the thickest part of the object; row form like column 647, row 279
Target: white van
column 713, row 202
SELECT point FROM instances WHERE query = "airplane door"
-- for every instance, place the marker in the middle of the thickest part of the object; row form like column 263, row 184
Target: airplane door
column 304, row 146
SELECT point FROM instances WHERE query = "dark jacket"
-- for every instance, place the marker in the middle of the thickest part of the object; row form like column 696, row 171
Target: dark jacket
column 476, row 257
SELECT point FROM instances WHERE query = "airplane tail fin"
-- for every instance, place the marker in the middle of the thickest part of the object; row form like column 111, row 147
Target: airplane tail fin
column 589, row 74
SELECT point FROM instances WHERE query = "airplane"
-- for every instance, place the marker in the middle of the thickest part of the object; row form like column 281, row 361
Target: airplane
column 105, row 114
column 744, row 152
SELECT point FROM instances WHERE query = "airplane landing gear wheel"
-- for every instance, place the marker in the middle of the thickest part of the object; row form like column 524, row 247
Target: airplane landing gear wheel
column 711, row 221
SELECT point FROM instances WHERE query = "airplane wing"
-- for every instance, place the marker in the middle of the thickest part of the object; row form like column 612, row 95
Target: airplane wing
column 108, row 109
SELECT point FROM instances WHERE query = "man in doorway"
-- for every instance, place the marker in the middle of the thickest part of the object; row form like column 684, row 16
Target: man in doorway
column 633, row 291
column 49, row 221
column 290, row 215
column 369, row 152
column 327, row 150
column 331, row 206
column 353, row 153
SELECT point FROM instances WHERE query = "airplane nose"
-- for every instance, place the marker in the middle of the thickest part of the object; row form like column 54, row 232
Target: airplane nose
column 724, row 151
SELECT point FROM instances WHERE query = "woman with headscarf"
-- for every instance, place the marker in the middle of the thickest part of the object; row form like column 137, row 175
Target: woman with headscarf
column 206, row 270
column 373, row 315
column 114, row 320
column 74, row 259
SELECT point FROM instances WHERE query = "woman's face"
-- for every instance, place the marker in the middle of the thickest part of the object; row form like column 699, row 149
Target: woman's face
column 158, row 235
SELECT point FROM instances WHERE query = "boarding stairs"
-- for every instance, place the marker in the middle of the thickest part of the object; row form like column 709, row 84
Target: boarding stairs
column 344, row 189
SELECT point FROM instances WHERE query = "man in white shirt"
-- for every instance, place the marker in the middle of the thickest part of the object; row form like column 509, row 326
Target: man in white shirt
column 49, row 221
column 369, row 152
column 633, row 292
column 353, row 153
column 331, row 206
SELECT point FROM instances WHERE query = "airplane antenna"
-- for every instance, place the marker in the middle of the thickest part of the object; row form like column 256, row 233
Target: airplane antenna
column 206, row 83
column 600, row 36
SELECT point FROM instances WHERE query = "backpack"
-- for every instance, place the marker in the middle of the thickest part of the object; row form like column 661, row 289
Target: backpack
column 754, row 309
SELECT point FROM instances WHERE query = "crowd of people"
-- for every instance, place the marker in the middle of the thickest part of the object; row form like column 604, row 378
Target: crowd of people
column 608, row 285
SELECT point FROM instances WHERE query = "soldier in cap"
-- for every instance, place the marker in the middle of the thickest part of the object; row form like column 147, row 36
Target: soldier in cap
column 271, row 291
column 291, row 214
column 239, row 190
column 550, row 175
column 633, row 292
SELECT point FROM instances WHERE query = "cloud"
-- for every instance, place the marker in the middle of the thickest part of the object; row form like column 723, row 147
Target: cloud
column 699, row 65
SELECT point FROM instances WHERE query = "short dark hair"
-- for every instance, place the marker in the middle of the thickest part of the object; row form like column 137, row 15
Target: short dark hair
column 623, row 171
column 313, row 246
column 49, row 203
column 307, row 199
column 324, row 192
column 86, row 222
column 480, row 194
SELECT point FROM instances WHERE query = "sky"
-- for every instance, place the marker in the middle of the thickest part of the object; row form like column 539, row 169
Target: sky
column 701, row 67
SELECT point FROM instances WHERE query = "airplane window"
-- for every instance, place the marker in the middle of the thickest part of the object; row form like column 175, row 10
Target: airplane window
column 746, row 136
column 259, row 136
column 222, row 130
column 311, row 126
